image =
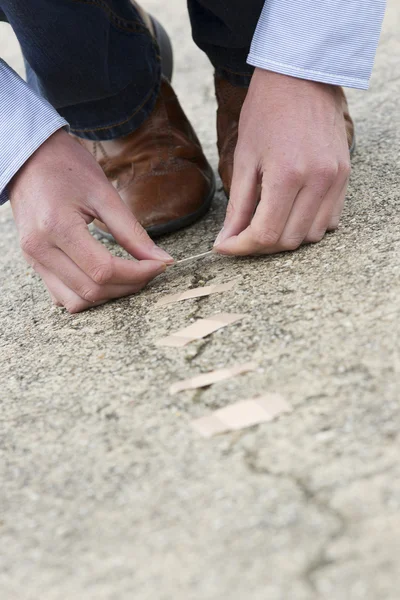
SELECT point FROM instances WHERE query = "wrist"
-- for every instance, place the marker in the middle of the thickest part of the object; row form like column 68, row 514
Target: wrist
column 293, row 89
column 42, row 153
column 288, row 80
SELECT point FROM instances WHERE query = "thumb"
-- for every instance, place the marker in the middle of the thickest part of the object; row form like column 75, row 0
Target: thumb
column 242, row 202
column 127, row 230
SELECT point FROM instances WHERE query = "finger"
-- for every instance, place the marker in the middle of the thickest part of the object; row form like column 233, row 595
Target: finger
column 62, row 295
column 127, row 230
column 333, row 220
column 75, row 279
column 95, row 260
column 262, row 235
column 301, row 217
column 335, row 214
column 243, row 199
column 65, row 297
column 328, row 215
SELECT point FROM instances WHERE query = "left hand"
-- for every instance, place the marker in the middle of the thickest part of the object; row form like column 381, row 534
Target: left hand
column 54, row 196
column 292, row 142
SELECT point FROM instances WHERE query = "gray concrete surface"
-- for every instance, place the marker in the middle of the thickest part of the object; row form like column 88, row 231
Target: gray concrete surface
column 107, row 494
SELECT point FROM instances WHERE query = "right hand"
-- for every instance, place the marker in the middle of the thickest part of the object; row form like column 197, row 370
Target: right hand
column 54, row 196
column 291, row 166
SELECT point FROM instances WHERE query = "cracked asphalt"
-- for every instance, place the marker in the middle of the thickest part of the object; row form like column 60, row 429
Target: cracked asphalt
column 106, row 491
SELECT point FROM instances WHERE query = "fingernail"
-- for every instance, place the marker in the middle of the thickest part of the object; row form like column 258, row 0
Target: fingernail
column 220, row 237
column 162, row 255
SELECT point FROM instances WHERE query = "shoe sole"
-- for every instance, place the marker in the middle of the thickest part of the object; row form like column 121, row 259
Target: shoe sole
column 167, row 67
column 155, row 231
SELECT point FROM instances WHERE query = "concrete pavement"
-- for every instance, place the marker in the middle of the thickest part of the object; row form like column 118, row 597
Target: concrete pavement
column 107, row 494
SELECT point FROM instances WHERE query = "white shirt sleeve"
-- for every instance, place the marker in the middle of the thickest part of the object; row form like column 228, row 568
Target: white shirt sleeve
column 331, row 41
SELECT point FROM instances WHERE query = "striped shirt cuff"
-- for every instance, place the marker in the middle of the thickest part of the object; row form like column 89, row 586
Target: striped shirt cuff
column 331, row 41
column 26, row 121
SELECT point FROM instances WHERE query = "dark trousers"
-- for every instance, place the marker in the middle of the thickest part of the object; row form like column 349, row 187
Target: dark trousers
column 98, row 65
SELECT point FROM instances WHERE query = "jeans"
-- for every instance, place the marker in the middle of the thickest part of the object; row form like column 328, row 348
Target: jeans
column 96, row 62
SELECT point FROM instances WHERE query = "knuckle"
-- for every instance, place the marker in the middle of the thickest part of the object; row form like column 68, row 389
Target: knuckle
column 102, row 273
column 49, row 223
column 345, row 168
column 137, row 229
column 31, row 243
column 60, row 225
column 91, row 294
column 325, row 172
column 291, row 242
column 265, row 237
column 293, row 175
column 133, row 231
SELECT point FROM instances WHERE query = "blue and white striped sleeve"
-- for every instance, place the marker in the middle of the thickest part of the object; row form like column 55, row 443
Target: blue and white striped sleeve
column 331, row 41
column 26, row 121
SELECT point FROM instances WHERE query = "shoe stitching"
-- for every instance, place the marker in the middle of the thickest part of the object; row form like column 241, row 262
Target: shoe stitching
column 102, row 150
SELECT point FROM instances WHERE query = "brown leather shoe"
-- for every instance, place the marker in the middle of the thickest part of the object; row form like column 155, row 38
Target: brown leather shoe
column 230, row 100
column 159, row 170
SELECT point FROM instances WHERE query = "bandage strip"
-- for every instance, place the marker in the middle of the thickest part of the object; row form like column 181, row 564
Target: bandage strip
column 199, row 330
column 195, row 293
column 242, row 414
column 211, row 377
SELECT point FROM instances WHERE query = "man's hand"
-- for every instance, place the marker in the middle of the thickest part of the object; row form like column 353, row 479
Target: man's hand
column 57, row 193
column 292, row 142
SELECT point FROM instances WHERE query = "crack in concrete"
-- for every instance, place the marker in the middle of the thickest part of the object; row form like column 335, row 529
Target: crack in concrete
column 197, row 394
column 321, row 559
column 202, row 345
column 199, row 279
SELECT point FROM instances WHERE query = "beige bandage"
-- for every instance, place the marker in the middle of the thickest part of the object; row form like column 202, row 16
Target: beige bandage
column 195, row 293
column 199, row 330
column 242, row 414
column 211, row 377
